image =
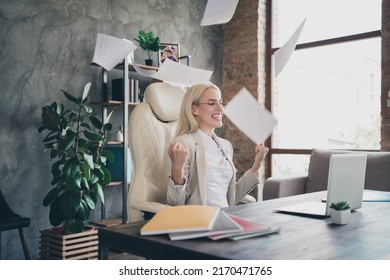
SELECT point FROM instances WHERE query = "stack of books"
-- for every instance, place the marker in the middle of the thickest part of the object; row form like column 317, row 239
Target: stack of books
column 194, row 221
column 117, row 90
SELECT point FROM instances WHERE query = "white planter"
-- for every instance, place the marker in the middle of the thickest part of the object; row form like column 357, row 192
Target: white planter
column 340, row 217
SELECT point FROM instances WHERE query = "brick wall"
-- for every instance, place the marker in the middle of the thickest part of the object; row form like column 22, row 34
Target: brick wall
column 385, row 128
column 244, row 59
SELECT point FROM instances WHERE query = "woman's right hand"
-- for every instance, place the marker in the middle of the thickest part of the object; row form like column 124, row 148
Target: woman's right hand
column 178, row 154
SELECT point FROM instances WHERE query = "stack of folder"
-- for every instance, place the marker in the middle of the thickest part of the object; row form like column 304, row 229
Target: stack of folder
column 194, row 221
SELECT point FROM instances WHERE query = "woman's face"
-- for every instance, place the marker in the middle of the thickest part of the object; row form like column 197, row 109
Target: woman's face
column 208, row 111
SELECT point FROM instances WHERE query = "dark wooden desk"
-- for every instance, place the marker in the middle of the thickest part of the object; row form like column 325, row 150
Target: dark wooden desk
column 300, row 238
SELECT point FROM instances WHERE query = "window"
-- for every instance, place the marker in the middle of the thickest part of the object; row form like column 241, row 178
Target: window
column 327, row 96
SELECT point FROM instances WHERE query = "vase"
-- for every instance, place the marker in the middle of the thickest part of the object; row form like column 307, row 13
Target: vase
column 55, row 245
column 149, row 62
column 340, row 217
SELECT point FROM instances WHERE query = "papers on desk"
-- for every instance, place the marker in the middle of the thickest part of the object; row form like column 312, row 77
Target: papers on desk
column 218, row 12
column 255, row 121
column 110, row 51
column 194, row 221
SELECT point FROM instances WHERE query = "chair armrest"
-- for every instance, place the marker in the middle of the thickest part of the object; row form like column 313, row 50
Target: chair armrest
column 149, row 206
column 275, row 187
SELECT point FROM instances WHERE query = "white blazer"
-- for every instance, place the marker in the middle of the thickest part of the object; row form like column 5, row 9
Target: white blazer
column 194, row 189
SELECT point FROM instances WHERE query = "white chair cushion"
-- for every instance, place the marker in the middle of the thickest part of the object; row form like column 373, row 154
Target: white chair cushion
column 165, row 106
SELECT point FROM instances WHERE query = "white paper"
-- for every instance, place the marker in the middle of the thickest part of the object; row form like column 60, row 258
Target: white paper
column 177, row 74
column 141, row 71
column 218, row 12
column 283, row 54
column 181, row 75
column 255, row 121
column 110, row 51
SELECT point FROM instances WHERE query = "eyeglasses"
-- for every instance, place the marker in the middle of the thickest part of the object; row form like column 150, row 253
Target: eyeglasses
column 213, row 102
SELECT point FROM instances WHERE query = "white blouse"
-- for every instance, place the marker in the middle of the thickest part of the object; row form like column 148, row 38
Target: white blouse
column 219, row 172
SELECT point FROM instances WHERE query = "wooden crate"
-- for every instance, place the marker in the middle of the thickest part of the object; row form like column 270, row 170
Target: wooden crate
column 77, row 246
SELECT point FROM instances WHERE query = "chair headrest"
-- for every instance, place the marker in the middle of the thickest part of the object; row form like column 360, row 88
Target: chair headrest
column 165, row 100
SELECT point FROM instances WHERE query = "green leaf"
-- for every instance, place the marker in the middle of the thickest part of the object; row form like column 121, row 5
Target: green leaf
column 55, row 168
column 67, row 170
column 82, row 143
column 91, row 200
column 109, row 155
column 84, row 184
column 73, row 225
column 81, row 213
column 98, row 188
column 89, row 160
column 67, row 143
column 70, row 203
column 91, row 136
column 50, row 196
column 41, row 128
column 87, row 108
column 87, row 87
column 94, row 179
column 87, row 126
column 70, row 97
column 85, row 170
column 107, row 175
column 54, row 153
column 77, row 181
column 51, row 120
column 56, row 215
column 96, row 122
column 107, row 127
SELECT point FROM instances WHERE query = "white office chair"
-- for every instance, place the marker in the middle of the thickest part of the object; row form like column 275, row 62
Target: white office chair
column 151, row 129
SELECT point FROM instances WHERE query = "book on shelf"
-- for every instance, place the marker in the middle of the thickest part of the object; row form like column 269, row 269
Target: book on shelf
column 249, row 229
column 182, row 218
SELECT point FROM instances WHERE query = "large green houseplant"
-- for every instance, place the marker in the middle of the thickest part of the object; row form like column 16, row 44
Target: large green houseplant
column 76, row 140
column 148, row 42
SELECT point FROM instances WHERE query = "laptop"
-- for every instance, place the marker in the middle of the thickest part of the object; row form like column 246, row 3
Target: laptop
column 345, row 183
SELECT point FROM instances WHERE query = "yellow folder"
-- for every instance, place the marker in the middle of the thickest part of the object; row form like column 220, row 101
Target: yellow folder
column 183, row 218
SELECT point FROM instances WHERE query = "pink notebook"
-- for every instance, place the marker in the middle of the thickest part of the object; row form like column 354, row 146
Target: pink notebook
column 250, row 229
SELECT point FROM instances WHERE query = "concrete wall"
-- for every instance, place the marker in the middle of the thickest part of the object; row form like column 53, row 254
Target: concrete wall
column 48, row 45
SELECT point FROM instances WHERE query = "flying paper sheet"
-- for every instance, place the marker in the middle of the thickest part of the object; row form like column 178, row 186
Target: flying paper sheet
column 218, row 11
column 177, row 74
column 180, row 74
column 255, row 121
column 110, row 51
column 283, row 54
column 142, row 72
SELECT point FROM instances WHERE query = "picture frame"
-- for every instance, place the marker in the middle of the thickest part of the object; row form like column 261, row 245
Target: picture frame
column 168, row 51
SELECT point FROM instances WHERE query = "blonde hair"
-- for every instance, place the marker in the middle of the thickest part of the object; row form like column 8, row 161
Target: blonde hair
column 187, row 122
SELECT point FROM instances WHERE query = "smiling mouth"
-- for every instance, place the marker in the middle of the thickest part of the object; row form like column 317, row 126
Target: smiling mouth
column 217, row 117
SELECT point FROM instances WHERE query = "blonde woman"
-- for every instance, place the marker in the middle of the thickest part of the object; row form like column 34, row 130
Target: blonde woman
column 201, row 163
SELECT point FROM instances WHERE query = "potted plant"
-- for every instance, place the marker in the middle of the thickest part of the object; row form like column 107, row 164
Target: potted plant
column 340, row 212
column 76, row 140
column 149, row 43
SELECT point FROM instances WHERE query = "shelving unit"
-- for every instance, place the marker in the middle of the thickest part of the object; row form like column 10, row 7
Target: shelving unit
column 106, row 103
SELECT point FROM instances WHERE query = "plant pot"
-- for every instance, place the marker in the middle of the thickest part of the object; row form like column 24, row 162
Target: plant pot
column 55, row 245
column 149, row 62
column 340, row 217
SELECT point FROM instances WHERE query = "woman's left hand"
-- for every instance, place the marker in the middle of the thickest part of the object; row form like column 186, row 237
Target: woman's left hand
column 261, row 152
